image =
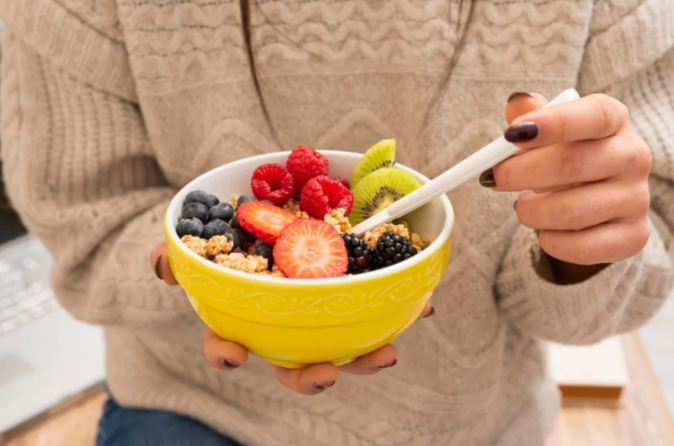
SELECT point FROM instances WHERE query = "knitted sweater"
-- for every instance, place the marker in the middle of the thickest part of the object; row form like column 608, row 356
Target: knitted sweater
column 110, row 106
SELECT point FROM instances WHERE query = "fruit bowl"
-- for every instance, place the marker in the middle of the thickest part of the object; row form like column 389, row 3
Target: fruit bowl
column 297, row 322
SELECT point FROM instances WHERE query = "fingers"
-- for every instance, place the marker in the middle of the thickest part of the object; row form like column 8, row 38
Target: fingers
column 521, row 103
column 428, row 311
column 308, row 381
column 583, row 207
column 159, row 262
column 607, row 243
column 374, row 362
column 572, row 163
column 223, row 355
column 592, row 117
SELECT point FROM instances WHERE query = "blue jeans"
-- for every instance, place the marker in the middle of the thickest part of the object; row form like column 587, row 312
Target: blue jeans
column 137, row 427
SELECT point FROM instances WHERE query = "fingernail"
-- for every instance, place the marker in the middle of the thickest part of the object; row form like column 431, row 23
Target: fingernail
column 519, row 93
column 319, row 387
column 487, row 178
column 515, row 205
column 524, row 131
column 386, row 366
column 157, row 271
column 229, row 365
column 431, row 313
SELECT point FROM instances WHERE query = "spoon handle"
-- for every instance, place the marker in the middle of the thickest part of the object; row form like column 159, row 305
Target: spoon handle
column 485, row 158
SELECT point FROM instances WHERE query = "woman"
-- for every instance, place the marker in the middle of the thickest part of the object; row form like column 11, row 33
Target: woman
column 110, row 106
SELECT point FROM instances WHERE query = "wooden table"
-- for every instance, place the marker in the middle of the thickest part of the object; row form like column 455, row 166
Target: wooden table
column 643, row 419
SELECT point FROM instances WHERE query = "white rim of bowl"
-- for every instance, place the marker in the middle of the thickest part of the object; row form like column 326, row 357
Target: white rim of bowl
column 434, row 246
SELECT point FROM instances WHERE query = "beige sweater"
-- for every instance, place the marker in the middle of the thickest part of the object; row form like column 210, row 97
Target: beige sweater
column 109, row 106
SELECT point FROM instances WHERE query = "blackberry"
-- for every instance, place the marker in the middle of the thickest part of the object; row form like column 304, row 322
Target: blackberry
column 391, row 249
column 360, row 255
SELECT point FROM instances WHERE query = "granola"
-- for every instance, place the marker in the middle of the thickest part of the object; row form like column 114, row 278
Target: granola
column 218, row 245
column 196, row 244
column 337, row 220
column 240, row 262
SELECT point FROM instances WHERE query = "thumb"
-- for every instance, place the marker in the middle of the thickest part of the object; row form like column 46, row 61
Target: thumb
column 521, row 103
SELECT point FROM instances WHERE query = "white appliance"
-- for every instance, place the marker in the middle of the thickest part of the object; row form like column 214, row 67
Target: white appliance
column 46, row 356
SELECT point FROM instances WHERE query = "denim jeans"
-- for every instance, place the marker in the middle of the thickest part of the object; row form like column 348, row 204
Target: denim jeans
column 137, row 427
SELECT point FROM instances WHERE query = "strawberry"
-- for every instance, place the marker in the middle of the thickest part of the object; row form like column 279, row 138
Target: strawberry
column 263, row 220
column 322, row 194
column 310, row 249
column 272, row 182
column 304, row 163
column 344, row 182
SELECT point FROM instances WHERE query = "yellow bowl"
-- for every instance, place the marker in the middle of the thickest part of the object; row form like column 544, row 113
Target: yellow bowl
column 296, row 322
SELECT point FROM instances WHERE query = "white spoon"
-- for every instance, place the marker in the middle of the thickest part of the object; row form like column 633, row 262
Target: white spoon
column 485, row 158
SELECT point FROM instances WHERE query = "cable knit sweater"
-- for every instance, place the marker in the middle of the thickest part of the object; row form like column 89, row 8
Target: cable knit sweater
column 109, row 106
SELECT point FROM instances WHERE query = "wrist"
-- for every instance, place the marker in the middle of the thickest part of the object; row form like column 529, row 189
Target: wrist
column 569, row 273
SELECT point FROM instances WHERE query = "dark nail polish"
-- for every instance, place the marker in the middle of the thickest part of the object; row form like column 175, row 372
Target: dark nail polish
column 487, row 178
column 320, row 387
column 229, row 365
column 515, row 205
column 519, row 93
column 157, row 271
column 387, row 366
column 522, row 132
column 431, row 313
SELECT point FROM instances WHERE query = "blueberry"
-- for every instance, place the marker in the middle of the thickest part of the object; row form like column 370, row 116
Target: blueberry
column 215, row 227
column 268, row 202
column 189, row 226
column 264, row 250
column 235, row 224
column 243, row 198
column 199, row 196
column 222, row 211
column 195, row 210
column 237, row 237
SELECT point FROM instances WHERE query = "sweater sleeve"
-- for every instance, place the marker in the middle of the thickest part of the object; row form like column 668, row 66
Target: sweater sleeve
column 80, row 169
column 626, row 294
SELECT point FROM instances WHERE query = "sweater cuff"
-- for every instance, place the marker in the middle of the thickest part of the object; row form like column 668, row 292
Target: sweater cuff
column 527, row 272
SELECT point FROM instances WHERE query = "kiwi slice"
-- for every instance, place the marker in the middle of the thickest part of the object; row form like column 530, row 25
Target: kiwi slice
column 378, row 190
column 380, row 155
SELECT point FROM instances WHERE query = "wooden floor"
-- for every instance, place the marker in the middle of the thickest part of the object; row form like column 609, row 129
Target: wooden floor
column 642, row 421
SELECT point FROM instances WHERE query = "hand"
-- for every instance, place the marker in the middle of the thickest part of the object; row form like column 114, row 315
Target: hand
column 227, row 356
column 588, row 170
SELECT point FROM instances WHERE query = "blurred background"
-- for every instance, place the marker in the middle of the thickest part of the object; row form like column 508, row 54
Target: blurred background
column 620, row 392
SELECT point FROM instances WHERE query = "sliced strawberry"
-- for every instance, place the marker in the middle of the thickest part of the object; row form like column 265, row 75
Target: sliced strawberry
column 322, row 194
column 310, row 249
column 263, row 220
column 272, row 182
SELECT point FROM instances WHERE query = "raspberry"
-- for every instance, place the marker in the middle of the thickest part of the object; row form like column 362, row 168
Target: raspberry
column 344, row 182
column 273, row 183
column 304, row 163
column 322, row 194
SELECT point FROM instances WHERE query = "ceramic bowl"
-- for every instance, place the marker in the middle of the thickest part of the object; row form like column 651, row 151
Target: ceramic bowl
column 297, row 322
